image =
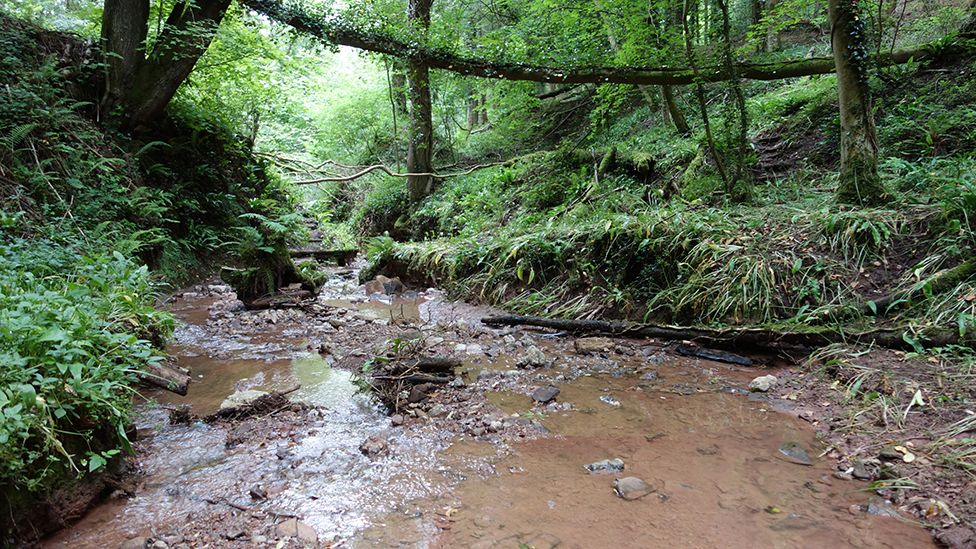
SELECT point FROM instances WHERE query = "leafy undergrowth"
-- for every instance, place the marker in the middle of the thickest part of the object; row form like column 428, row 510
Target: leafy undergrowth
column 75, row 328
column 606, row 250
column 83, row 210
column 558, row 235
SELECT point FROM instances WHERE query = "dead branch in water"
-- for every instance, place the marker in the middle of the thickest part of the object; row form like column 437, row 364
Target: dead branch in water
column 166, row 377
column 395, row 377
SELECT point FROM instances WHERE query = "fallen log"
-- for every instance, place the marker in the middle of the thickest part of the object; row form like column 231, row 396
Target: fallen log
column 414, row 378
column 941, row 281
column 937, row 283
column 904, row 337
column 335, row 30
column 165, row 377
column 341, row 257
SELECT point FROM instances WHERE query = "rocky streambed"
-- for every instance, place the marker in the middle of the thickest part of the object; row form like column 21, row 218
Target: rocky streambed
column 539, row 440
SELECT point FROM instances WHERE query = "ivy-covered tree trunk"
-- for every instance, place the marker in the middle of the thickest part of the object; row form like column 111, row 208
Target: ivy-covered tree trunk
column 860, row 182
column 421, row 145
column 398, row 77
column 741, row 177
column 969, row 25
column 772, row 36
column 142, row 86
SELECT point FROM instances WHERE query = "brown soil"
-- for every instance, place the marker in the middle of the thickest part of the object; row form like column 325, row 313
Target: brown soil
column 859, row 404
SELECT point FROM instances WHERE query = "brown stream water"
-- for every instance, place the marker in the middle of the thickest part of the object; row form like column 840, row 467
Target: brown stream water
column 712, row 455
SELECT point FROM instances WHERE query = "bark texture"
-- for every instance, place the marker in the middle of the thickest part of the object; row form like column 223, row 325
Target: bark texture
column 772, row 36
column 143, row 85
column 421, row 141
column 969, row 25
column 125, row 24
column 187, row 34
column 746, row 337
column 860, row 182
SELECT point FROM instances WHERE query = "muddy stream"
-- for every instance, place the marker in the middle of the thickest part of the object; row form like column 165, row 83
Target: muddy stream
column 477, row 463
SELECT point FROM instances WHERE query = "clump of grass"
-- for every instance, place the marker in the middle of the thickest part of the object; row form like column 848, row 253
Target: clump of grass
column 858, row 234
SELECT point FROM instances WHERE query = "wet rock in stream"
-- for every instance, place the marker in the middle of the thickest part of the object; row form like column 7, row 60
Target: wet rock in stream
column 386, row 286
column 865, row 470
column 294, row 528
column 374, row 446
column 762, row 384
column 614, row 465
column 534, row 357
column 794, row 453
column 543, row 395
column 631, row 488
column 592, row 345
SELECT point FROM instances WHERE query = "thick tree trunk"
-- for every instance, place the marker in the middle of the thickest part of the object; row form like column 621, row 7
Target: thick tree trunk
column 421, row 145
column 860, row 182
column 125, row 24
column 472, row 112
column 483, row 111
column 703, row 104
column 674, row 112
column 755, row 12
column 740, row 176
column 969, row 26
column 188, row 32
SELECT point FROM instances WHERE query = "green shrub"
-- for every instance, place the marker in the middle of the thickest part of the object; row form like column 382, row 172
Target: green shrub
column 74, row 330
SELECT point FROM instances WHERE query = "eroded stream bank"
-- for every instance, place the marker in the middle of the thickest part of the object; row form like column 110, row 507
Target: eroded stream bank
column 476, row 463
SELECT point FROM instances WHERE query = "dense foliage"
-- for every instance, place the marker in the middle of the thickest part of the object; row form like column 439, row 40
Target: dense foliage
column 85, row 210
column 75, row 328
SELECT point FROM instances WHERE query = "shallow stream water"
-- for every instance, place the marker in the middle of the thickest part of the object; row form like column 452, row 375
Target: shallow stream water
column 711, row 455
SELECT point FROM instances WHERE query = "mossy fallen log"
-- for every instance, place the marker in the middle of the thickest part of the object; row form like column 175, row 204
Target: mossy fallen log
column 902, row 337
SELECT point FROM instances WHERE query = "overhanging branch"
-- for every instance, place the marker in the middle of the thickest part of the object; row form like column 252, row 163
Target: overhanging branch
column 334, row 31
